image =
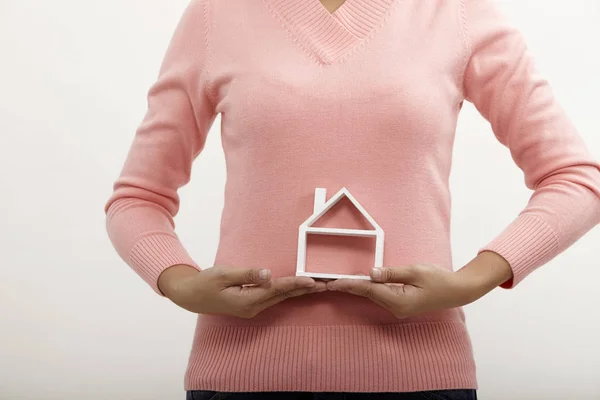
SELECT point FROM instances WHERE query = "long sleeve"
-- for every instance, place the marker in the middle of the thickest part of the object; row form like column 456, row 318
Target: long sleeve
column 500, row 79
column 140, row 212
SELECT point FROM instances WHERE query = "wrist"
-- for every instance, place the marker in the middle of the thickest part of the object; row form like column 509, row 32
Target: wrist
column 484, row 273
column 170, row 278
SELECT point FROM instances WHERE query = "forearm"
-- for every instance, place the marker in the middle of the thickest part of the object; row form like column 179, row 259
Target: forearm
column 167, row 280
column 482, row 274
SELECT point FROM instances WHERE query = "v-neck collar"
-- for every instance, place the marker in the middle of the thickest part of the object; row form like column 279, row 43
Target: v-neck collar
column 330, row 35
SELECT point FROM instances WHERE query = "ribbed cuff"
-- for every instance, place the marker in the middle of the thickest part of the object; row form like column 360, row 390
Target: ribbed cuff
column 151, row 255
column 527, row 243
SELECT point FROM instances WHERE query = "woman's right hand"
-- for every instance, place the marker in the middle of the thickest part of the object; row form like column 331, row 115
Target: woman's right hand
column 239, row 292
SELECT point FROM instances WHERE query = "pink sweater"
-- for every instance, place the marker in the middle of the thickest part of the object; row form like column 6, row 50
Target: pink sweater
column 365, row 98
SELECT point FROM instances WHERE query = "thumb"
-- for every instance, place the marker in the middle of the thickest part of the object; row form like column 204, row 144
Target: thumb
column 245, row 276
column 406, row 274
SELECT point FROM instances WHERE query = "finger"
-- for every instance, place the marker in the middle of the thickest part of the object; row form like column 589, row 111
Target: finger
column 279, row 287
column 292, row 293
column 408, row 274
column 382, row 294
column 244, row 276
column 364, row 288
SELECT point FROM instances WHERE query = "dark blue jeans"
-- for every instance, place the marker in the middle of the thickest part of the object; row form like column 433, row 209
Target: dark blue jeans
column 458, row 394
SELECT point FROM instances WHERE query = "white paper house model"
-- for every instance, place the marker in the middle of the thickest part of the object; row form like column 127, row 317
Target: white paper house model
column 320, row 208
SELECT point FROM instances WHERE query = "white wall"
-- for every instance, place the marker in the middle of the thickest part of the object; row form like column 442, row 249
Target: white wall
column 75, row 322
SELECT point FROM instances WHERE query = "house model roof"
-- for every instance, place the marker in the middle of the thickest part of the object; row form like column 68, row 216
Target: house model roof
column 320, row 210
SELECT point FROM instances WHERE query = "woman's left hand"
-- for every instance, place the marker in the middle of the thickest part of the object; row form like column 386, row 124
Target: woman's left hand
column 419, row 288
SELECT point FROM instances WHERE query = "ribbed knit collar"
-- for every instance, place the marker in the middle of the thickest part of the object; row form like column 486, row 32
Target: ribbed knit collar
column 329, row 36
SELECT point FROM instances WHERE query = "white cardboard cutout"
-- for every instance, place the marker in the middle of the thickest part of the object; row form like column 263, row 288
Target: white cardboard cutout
column 319, row 209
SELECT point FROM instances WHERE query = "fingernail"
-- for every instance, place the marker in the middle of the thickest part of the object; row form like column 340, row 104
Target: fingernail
column 376, row 273
column 263, row 274
column 308, row 282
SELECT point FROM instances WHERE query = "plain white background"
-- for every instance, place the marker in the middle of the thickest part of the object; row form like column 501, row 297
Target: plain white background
column 76, row 322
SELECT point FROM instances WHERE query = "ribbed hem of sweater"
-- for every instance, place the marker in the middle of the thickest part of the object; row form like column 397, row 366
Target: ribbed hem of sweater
column 527, row 243
column 336, row 358
column 151, row 255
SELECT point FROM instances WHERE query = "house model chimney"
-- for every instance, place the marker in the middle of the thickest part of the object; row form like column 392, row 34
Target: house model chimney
column 320, row 194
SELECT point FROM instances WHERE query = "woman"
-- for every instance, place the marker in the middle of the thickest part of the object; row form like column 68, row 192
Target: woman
column 362, row 94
